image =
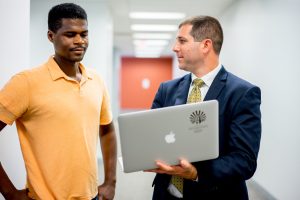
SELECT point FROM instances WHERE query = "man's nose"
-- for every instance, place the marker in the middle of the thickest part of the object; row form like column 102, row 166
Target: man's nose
column 78, row 39
column 175, row 48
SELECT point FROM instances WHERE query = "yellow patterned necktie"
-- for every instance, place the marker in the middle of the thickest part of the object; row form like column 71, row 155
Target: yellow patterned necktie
column 194, row 96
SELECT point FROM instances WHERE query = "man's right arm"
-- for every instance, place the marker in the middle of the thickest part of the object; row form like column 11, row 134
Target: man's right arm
column 7, row 188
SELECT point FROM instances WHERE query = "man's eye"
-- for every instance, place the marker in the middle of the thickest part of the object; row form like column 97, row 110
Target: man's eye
column 84, row 35
column 70, row 34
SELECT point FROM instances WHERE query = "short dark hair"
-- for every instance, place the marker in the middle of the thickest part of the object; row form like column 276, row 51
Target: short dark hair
column 206, row 27
column 64, row 10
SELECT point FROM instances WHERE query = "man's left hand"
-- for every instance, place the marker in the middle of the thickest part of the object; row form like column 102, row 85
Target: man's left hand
column 106, row 191
column 185, row 169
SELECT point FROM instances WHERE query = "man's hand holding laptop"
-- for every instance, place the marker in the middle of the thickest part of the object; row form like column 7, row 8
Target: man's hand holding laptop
column 185, row 169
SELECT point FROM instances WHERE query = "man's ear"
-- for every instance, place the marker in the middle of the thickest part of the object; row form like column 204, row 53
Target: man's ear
column 207, row 45
column 50, row 35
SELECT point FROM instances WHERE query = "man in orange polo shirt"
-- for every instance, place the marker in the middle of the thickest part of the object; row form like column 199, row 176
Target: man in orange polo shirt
column 60, row 108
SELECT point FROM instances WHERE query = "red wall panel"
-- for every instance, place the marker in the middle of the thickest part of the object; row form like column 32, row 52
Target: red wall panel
column 140, row 79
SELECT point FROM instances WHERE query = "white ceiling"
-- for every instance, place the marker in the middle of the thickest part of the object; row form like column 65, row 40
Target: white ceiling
column 120, row 11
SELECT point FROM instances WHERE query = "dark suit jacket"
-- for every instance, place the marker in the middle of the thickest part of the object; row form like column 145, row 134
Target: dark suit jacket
column 239, row 138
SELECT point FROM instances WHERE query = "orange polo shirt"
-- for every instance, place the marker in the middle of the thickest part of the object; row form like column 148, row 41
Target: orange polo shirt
column 58, row 121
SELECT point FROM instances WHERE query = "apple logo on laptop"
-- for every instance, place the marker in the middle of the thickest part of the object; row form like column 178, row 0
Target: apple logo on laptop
column 170, row 138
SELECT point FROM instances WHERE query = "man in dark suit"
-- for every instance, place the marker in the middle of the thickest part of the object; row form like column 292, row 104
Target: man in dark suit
column 198, row 44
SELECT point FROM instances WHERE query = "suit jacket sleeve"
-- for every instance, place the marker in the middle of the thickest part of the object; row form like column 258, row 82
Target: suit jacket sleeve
column 241, row 138
column 159, row 98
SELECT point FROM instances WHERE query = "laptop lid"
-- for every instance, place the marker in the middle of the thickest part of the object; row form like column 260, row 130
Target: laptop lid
column 189, row 131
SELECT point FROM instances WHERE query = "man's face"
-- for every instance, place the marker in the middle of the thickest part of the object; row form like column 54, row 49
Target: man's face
column 188, row 51
column 71, row 40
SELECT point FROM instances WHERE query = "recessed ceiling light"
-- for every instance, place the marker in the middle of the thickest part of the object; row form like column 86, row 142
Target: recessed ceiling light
column 145, row 55
column 150, row 42
column 148, row 51
column 149, row 48
column 153, row 27
column 152, row 36
column 156, row 15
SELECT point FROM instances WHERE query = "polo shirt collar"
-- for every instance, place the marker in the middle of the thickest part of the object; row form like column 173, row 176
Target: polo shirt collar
column 57, row 73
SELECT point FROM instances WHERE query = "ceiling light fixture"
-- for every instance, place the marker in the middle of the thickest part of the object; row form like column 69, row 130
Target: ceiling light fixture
column 149, row 51
column 150, row 42
column 146, row 55
column 166, row 36
column 153, row 27
column 156, row 15
column 149, row 48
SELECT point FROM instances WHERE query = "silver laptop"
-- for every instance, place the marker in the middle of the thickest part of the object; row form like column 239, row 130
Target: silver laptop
column 189, row 131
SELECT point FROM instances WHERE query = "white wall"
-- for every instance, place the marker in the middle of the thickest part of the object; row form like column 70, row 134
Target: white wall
column 262, row 45
column 14, row 57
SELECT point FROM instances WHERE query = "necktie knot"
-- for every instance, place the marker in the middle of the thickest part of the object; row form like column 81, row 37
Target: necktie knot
column 198, row 82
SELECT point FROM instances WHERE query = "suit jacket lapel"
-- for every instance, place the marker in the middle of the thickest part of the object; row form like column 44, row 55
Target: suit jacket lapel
column 217, row 85
column 183, row 90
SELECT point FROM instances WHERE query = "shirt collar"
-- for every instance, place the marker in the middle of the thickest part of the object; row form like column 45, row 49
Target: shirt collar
column 209, row 77
column 57, row 73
